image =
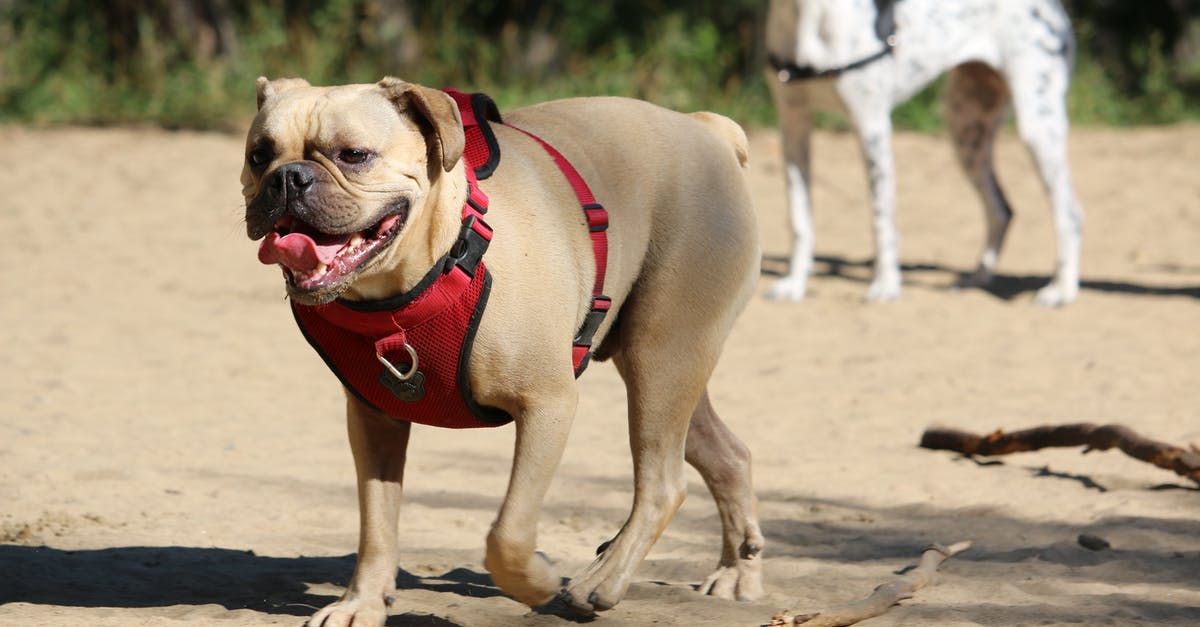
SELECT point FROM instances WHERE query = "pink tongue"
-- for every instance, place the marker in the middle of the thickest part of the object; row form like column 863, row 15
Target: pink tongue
column 300, row 252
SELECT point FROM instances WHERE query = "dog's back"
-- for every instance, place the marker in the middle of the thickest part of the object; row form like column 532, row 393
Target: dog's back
column 674, row 185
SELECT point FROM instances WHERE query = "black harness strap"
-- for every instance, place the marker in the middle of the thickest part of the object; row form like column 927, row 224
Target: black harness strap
column 885, row 30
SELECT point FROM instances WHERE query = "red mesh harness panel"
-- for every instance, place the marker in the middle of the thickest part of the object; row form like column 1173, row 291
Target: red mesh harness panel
column 408, row 356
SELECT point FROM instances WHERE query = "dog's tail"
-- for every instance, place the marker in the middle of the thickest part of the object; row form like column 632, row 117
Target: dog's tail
column 728, row 130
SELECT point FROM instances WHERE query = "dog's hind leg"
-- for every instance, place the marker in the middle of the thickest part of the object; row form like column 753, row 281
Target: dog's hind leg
column 661, row 396
column 976, row 105
column 1039, row 96
column 1046, row 136
column 1039, row 75
column 724, row 463
column 672, row 331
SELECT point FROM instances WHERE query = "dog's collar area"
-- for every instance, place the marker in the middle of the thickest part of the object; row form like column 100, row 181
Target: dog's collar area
column 441, row 288
column 449, row 275
column 788, row 72
column 885, row 30
column 409, row 356
column 421, row 339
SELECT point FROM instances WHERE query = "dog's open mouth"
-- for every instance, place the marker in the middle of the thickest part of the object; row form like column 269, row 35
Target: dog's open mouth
column 315, row 261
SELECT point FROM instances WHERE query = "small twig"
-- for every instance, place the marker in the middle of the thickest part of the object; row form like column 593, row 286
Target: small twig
column 1183, row 462
column 882, row 598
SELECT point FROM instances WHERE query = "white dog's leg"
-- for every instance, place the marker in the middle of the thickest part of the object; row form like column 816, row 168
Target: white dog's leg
column 976, row 104
column 512, row 557
column 872, row 117
column 796, row 128
column 1039, row 96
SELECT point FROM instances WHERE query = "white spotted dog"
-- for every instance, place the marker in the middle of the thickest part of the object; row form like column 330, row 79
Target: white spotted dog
column 864, row 57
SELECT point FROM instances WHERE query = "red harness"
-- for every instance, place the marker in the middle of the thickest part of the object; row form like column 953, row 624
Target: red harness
column 408, row 356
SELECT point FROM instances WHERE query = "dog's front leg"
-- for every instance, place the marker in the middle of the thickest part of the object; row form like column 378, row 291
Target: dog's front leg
column 512, row 557
column 795, row 123
column 875, row 132
column 379, row 445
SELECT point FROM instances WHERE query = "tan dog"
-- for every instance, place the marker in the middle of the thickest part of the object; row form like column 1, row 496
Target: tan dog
column 382, row 165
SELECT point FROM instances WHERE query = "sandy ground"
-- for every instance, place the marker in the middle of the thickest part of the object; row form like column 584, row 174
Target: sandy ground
column 172, row 452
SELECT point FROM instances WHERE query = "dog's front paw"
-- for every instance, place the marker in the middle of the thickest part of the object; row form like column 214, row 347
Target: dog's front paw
column 351, row 611
column 534, row 583
column 789, row 288
column 884, row 288
column 1055, row 295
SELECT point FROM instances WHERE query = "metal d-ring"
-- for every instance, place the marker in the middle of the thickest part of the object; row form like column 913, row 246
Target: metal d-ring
column 412, row 352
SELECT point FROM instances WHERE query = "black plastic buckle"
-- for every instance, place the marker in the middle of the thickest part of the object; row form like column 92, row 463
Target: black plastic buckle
column 467, row 251
column 587, row 331
column 591, row 322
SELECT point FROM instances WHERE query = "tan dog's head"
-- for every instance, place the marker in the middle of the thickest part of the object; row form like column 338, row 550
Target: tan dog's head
column 334, row 176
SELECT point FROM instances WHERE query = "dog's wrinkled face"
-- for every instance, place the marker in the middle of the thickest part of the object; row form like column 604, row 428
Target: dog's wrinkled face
column 333, row 176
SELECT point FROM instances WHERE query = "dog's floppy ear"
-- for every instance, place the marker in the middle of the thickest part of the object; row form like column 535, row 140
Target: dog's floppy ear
column 267, row 87
column 438, row 109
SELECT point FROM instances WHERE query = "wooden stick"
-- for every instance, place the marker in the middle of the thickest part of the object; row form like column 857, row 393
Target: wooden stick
column 882, row 598
column 1094, row 437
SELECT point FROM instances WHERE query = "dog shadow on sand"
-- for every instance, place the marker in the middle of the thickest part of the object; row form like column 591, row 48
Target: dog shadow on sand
column 164, row 576
column 1003, row 286
column 1162, row 551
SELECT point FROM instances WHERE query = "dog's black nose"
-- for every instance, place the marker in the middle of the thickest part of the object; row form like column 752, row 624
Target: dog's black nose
column 290, row 181
column 285, row 191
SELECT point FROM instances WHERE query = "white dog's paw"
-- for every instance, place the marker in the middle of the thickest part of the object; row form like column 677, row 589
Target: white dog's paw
column 351, row 611
column 789, row 288
column 1055, row 295
column 884, row 288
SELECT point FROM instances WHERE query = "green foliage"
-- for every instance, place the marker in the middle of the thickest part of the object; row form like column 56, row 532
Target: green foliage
column 1157, row 97
column 131, row 61
column 923, row 112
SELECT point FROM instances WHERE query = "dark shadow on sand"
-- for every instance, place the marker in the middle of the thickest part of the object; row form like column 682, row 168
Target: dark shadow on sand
column 144, row 576
column 1003, row 286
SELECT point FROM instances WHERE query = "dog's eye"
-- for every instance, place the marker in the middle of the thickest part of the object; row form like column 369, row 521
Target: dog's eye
column 353, row 156
column 258, row 157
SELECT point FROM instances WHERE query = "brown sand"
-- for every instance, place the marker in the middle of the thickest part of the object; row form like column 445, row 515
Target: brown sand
column 172, row 453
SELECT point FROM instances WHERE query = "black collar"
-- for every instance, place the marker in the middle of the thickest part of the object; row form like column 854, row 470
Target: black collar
column 885, row 30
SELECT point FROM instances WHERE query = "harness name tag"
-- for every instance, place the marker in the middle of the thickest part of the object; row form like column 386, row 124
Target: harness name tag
column 411, row 390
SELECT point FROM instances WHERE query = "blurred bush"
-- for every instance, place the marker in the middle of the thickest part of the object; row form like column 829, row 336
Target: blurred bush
column 191, row 63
